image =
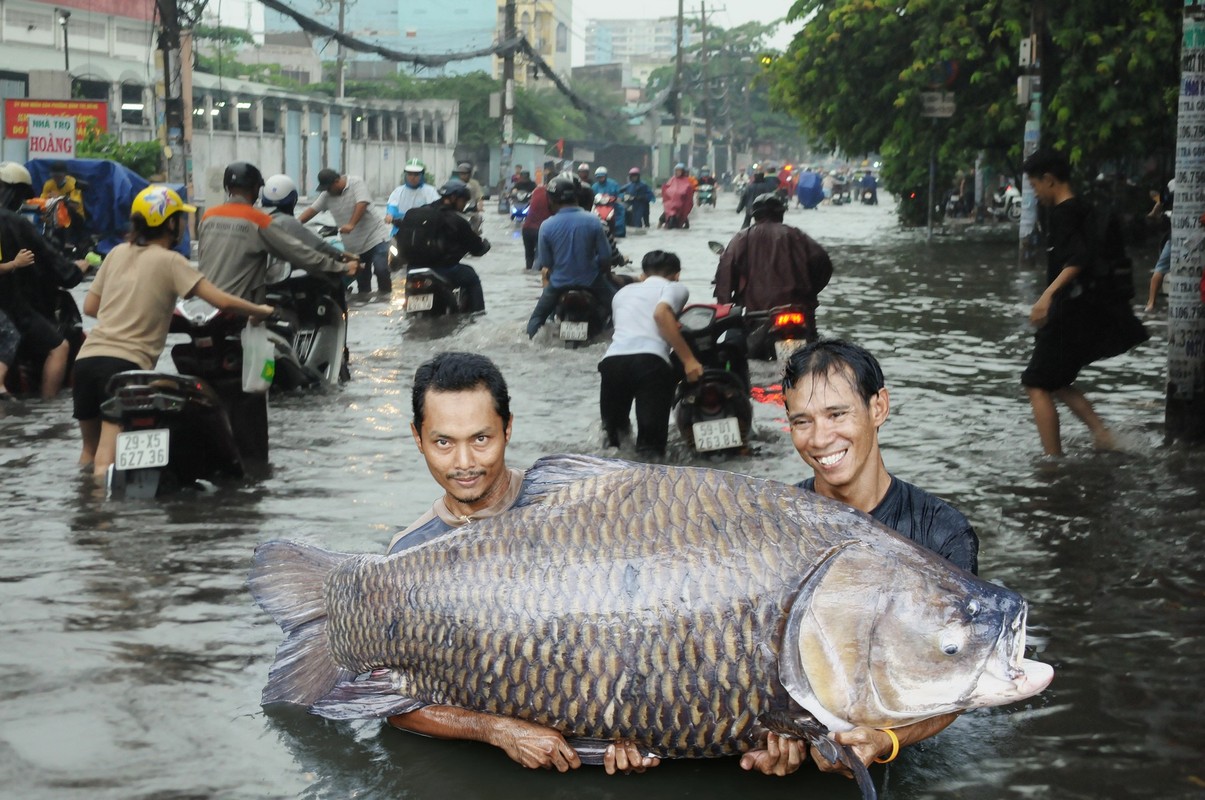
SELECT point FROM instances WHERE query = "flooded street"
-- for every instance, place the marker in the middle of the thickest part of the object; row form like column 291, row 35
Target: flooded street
column 132, row 655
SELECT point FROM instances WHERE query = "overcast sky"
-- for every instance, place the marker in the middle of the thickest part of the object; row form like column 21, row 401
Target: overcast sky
column 725, row 13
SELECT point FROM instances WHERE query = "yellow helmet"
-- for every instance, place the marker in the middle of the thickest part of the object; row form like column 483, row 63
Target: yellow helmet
column 158, row 202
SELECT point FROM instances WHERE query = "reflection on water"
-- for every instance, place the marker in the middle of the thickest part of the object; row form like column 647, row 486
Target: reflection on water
column 133, row 657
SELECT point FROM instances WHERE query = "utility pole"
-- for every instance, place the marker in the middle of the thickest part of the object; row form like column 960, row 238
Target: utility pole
column 508, row 102
column 673, row 153
column 1030, row 84
column 1184, row 418
column 340, row 57
column 172, row 132
column 706, row 88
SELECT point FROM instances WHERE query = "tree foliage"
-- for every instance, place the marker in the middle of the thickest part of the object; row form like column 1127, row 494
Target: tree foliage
column 141, row 157
column 855, row 72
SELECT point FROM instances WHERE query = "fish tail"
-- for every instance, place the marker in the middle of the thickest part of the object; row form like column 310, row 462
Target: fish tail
column 287, row 581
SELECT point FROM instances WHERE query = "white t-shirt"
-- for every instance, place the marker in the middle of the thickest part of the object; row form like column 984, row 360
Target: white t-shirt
column 370, row 231
column 632, row 311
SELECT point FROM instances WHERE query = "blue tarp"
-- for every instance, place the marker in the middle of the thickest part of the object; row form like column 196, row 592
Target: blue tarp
column 111, row 190
column 809, row 191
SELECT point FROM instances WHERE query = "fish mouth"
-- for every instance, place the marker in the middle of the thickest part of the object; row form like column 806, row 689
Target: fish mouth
column 1009, row 676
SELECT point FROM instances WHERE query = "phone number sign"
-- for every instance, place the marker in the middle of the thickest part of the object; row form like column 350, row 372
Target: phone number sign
column 17, row 112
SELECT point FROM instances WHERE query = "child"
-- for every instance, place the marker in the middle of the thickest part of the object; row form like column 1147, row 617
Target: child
column 636, row 365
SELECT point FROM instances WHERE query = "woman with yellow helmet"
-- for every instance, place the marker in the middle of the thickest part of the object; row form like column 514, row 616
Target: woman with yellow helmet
column 132, row 298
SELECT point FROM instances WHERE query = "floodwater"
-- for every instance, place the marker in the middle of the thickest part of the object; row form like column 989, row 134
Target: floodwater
column 132, row 655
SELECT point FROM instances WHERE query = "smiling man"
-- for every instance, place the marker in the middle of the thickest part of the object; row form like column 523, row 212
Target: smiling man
column 836, row 402
column 462, row 424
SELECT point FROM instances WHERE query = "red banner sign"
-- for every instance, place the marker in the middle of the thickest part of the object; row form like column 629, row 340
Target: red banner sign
column 18, row 110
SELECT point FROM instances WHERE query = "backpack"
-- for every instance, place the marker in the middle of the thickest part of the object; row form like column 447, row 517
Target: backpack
column 1111, row 276
column 425, row 237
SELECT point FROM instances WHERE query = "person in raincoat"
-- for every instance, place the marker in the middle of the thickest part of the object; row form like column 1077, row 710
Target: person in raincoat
column 678, row 198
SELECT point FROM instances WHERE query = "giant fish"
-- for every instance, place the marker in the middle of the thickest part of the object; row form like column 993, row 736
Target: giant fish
column 688, row 609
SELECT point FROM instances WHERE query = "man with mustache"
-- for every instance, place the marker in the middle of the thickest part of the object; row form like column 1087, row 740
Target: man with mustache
column 462, row 424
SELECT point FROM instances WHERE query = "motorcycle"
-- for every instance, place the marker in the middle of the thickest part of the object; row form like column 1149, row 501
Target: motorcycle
column 581, row 316
column 55, row 221
column 431, row 294
column 715, row 412
column 520, row 201
column 57, row 305
column 200, row 424
column 841, row 193
column 775, row 334
column 706, row 195
column 1007, row 203
column 604, row 209
column 309, row 330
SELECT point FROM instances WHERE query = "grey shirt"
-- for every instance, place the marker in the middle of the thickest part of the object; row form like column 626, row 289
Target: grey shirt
column 370, row 231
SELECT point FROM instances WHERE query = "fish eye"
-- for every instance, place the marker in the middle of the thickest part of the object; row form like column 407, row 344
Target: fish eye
column 972, row 608
column 950, row 648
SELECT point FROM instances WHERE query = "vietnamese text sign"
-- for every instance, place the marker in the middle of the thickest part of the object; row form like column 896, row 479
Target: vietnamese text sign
column 51, row 137
column 17, row 112
column 937, row 104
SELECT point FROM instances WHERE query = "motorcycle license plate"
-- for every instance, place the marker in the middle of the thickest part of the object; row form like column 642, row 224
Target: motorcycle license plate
column 575, row 331
column 420, row 302
column 142, row 449
column 784, row 347
column 717, row 434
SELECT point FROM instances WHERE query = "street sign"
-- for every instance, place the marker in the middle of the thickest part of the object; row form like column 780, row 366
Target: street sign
column 937, row 104
column 51, row 137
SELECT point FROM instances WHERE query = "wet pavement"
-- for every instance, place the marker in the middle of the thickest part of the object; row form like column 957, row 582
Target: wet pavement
column 132, row 656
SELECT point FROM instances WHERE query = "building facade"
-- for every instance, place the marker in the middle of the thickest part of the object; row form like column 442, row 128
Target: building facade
column 547, row 25
column 628, row 41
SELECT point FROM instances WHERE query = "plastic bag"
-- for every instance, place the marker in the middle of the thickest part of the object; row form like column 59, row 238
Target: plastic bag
column 259, row 359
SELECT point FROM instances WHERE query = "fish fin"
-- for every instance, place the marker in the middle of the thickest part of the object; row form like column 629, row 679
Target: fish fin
column 591, row 751
column 286, row 580
column 361, row 699
column 552, row 472
column 802, row 725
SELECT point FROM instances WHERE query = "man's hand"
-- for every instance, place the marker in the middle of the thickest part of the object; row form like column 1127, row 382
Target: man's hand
column 262, row 312
column 781, row 756
column 348, row 228
column 82, row 264
column 694, row 371
column 625, row 756
column 867, row 743
column 543, row 276
column 533, row 745
column 23, row 258
column 353, row 266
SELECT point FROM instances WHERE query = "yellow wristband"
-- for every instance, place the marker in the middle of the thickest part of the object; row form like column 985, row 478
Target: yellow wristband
column 895, row 747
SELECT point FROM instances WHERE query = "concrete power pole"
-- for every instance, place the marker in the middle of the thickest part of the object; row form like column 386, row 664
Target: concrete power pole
column 1185, row 411
column 508, row 103
column 673, row 153
column 175, row 147
column 708, row 156
column 340, row 57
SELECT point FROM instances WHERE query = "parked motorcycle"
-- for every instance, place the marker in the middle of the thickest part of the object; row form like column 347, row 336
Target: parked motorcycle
column 1006, row 203
column 715, row 413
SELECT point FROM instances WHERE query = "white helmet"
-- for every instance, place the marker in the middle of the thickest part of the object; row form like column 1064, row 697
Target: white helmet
column 280, row 191
column 14, row 173
column 600, row 171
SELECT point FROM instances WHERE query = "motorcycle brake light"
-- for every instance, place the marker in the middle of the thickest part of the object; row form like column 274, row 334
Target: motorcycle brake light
column 789, row 318
column 142, row 422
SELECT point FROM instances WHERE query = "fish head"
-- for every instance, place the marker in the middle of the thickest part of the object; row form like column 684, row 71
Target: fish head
column 884, row 636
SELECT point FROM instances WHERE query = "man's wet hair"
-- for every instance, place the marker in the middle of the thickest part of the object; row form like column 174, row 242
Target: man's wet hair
column 661, row 262
column 458, row 372
column 826, row 356
column 1046, row 161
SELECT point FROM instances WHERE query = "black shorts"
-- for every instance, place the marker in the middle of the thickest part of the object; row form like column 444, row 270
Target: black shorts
column 89, row 380
column 38, row 337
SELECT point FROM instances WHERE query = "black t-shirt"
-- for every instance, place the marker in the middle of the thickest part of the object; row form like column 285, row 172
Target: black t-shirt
column 1068, row 243
column 927, row 520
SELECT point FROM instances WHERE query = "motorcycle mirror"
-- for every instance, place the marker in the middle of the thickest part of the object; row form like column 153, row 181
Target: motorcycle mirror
column 716, row 248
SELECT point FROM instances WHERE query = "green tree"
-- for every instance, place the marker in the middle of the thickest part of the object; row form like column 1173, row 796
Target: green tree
column 855, row 72
column 141, row 157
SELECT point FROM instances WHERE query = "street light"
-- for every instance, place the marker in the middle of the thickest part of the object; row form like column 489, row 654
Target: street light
column 65, row 15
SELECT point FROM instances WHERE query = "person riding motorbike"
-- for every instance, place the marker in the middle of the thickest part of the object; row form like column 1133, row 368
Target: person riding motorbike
column 585, row 191
column 639, row 195
column 279, row 199
column 772, row 264
column 573, row 251
column 677, row 198
column 604, row 185
column 761, row 184
column 61, row 184
column 456, row 239
column 27, row 286
column 707, row 179
column 414, row 191
column 464, row 171
column 132, row 299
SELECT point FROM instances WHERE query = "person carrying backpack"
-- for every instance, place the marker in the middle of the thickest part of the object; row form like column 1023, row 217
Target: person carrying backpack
column 1084, row 314
column 437, row 236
